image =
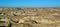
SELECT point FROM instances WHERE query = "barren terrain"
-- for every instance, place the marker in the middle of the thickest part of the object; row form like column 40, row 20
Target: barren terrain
column 32, row 17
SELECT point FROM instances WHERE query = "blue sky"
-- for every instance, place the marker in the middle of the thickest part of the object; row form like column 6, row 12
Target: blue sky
column 29, row 3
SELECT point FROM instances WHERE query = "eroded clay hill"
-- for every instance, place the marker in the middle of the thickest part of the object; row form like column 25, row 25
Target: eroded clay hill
column 36, row 17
